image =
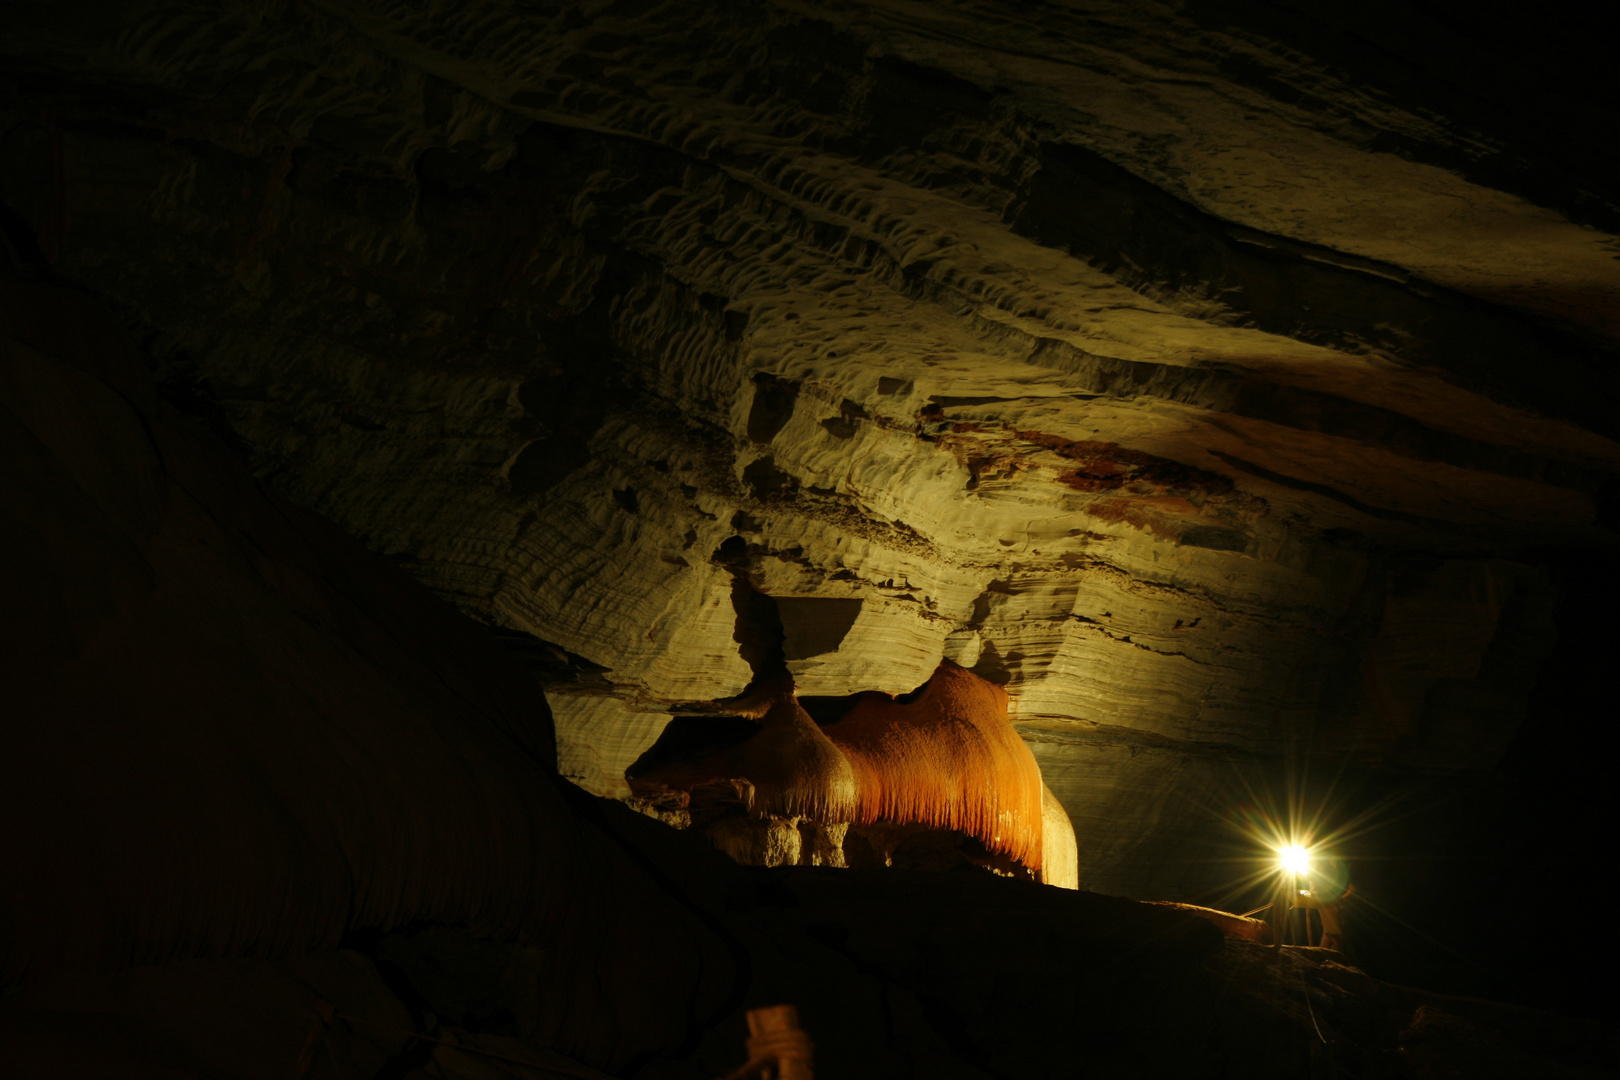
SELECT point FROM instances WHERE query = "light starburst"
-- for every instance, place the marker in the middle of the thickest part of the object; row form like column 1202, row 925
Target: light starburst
column 1295, row 859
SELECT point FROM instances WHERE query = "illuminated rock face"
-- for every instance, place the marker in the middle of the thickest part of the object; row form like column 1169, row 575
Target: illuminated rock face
column 948, row 759
column 1203, row 398
column 947, row 762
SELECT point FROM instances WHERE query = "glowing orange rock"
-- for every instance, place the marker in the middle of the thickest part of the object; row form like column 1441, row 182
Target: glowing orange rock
column 795, row 769
column 790, row 768
column 950, row 759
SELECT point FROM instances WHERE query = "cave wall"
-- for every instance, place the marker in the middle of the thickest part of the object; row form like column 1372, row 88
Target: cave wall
column 271, row 808
column 231, row 733
column 1215, row 376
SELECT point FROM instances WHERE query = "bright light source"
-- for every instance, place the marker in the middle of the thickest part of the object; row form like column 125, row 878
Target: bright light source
column 1295, row 859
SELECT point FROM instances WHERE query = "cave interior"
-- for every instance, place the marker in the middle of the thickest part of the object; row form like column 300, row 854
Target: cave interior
column 533, row 529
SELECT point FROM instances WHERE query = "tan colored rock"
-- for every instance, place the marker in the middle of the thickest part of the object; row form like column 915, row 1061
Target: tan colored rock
column 752, row 842
column 1060, row 858
column 599, row 737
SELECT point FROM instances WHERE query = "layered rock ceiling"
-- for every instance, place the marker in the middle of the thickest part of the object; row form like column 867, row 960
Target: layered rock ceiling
column 1213, row 377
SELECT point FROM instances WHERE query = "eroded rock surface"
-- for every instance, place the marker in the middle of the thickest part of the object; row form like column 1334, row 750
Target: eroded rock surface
column 775, row 786
column 1214, row 377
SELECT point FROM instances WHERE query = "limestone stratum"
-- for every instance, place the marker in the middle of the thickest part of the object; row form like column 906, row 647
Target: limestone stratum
column 534, row 530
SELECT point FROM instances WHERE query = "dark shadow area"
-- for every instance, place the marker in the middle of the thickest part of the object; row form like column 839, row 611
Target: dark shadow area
column 758, row 634
column 815, row 625
column 688, row 736
column 772, row 407
column 1472, row 883
column 1494, row 884
column 828, row 710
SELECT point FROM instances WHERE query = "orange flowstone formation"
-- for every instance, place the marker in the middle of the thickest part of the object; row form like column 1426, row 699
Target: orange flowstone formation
column 949, row 759
column 795, row 770
column 790, row 768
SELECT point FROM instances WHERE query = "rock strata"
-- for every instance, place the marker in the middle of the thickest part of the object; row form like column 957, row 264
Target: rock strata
column 1222, row 381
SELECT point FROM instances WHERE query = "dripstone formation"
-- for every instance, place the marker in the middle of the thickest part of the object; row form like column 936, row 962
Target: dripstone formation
column 925, row 450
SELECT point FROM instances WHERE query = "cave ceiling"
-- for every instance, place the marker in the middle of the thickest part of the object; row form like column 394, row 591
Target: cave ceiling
column 1208, row 374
